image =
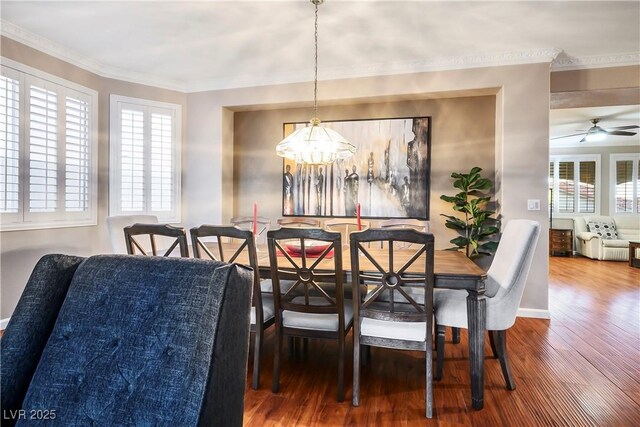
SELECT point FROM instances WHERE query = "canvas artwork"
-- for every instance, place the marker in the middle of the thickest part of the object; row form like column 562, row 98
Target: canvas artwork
column 389, row 174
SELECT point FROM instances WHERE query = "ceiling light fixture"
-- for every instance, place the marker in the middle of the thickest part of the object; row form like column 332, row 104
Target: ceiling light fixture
column 315, row 144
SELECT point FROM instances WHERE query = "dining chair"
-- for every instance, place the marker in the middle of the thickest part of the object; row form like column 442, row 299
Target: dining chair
column 388, row 314
column 299, row 222
column 177, row 234
column 404, row 224
column 316, row 313
column 345, row 226
column 115, row 225
column 246, row 223
column 262, row 309
column 504, row 287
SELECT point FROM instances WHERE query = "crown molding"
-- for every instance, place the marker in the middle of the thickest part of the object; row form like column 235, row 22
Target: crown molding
column 385, row 69
column 567, row 63
column 58, row 51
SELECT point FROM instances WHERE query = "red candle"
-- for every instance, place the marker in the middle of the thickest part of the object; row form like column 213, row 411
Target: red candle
column 358, row 217
column 255, row 218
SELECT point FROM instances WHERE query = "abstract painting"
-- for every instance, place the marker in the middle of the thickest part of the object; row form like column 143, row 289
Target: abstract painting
column 389, row 174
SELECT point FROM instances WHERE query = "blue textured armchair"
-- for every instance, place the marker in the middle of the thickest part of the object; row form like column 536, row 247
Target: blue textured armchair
column 122, row 340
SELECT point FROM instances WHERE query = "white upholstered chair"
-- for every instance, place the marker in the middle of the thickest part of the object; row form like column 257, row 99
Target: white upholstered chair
column 504, row 287
column 116, row 225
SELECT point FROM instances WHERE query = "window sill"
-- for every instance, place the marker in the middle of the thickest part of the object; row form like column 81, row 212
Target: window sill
column 25, row 226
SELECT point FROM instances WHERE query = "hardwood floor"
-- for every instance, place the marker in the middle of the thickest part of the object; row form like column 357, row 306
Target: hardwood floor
column 582, row 367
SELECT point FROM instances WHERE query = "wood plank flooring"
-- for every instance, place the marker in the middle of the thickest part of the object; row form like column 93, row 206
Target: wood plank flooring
column 581, row 368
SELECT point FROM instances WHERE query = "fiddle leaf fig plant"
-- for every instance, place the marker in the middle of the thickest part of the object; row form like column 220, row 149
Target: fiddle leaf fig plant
column 478, row 226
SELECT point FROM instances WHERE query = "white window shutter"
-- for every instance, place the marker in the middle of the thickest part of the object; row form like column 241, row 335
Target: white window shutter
column 43, row 150
column 132, row 195
column 161, row 163
column 77, row 155
column 9, row 144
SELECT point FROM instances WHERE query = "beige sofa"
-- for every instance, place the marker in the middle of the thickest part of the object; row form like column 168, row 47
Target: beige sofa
column 592, row 245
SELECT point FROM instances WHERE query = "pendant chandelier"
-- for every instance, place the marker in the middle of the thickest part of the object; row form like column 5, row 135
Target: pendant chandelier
column 315, row 144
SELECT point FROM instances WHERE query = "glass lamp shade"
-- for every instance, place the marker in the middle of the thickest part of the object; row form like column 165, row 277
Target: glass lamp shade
column 597, row 135
column 315, row 144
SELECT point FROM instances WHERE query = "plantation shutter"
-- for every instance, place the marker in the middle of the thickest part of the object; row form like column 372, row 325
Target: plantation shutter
column 43, row 150
column 161, row 163
column 76, row 155
column 587, row 187
column 624, row 186
column 9, row 144
column 132, row 194
column 566, row 191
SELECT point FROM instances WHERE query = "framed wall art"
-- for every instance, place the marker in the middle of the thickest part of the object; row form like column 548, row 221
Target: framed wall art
column 389, row 175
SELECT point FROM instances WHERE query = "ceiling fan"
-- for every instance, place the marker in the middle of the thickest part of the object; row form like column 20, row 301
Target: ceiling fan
column 597, row 133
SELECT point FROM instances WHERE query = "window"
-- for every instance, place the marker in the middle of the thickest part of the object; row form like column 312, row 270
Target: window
column 625, row 183
column 575, row 184
column 145, row 158
column 48, row 156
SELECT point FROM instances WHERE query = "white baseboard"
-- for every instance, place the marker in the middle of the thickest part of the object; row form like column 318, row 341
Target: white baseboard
column 536, row 313
column 3, row 323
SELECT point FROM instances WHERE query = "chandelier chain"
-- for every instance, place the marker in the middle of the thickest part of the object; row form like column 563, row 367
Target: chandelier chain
column 315, row 78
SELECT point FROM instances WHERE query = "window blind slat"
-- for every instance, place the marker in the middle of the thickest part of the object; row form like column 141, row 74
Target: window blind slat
column 587, row 187
column 566, row 187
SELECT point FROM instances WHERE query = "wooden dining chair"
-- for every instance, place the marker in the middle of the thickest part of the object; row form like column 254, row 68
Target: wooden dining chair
column 345, row 226
column 262, row 308
column 504, row 287
column 389, row 313
column 246, row 223
column 316, row 313
column 177, row 234
column 404, row 224
column 299, row 222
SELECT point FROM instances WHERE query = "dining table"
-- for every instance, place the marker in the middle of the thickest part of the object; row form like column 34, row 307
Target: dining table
column 452, row 270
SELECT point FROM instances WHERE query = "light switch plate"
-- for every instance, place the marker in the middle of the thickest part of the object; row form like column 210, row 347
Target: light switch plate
column 533, row 204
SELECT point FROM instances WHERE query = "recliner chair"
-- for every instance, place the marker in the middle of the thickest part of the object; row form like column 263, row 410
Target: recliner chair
column 124, row 340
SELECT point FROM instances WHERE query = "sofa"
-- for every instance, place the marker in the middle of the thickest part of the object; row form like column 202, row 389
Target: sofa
column 123, row 340
column 606, row 237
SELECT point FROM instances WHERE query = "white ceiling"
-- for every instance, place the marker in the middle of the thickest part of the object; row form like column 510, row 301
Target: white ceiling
column 209, row 45
column 569, row 121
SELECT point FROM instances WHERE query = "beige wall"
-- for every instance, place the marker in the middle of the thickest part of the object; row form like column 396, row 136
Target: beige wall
column 463, row 135
column 521, row 149
column 20, row 250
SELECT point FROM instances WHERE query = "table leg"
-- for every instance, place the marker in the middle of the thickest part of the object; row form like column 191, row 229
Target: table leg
column 476, row 315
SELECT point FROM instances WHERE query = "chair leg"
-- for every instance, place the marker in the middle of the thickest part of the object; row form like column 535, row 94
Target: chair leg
column 276, row 360
column 492, row 341
column 429, row 376
column 439, row 351
column 501, row 347
column 341, row 368
column 355, row 401
column 455, row 335
column 257, row 352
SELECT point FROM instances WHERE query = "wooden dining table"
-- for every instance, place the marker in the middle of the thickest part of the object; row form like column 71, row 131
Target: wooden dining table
column 452, row 270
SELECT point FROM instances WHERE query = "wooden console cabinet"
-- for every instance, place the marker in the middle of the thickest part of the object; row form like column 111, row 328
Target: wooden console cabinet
column 560, row 242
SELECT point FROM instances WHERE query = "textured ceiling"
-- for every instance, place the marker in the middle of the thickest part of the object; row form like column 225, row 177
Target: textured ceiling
column 198, row 45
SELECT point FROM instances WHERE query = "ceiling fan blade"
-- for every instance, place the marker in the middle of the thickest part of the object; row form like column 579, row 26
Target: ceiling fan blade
column 567, row 136
column 625, row 127
column 583, row 139
column 620, row 133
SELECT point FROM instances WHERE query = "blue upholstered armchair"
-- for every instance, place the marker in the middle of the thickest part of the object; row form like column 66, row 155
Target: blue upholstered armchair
column 122, row 340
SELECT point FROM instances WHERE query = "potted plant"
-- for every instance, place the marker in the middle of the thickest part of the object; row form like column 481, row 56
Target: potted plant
column 477, row 227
